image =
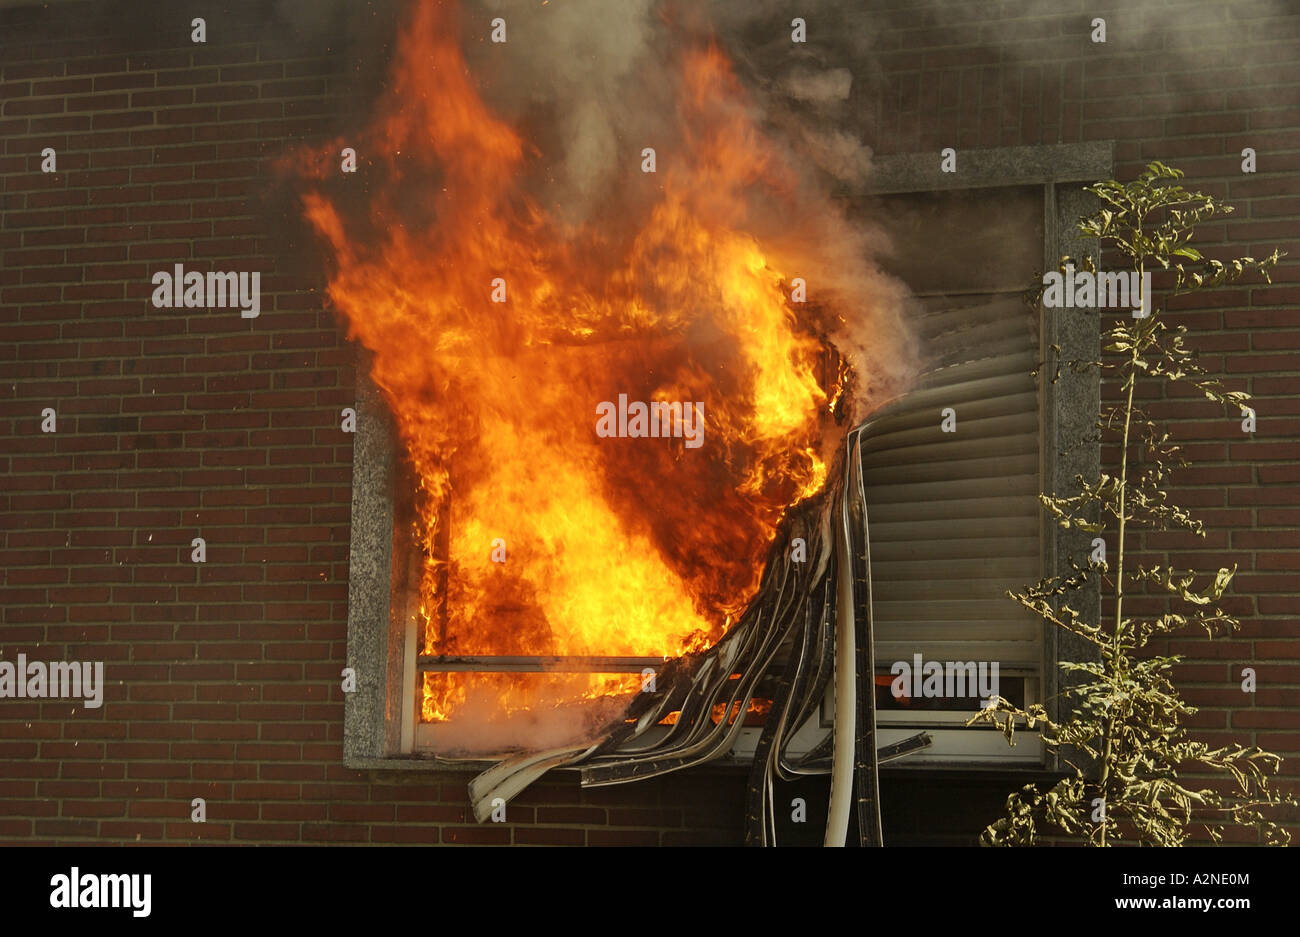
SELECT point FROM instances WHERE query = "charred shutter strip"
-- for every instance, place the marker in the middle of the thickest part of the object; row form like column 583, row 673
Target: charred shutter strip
column 867, row 776
column 810, row 682
column 819, row 680
column 759, row 828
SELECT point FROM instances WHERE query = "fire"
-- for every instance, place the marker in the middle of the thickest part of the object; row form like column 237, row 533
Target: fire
column 611, row 546
column 755, row 713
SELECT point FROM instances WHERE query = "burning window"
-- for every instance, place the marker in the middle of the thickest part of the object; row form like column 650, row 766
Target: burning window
column 621, row 436
column 609, row 496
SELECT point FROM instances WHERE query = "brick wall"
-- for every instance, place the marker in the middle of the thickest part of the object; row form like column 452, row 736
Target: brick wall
column 223, row 677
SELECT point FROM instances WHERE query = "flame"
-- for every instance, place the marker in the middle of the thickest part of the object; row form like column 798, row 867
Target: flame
column 612, row 546
column 755, row 713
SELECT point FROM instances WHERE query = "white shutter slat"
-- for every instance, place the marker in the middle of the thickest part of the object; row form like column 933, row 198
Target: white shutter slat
column 1018, row 525
column 1014, row 366
column 956, row 472
column 994, row 569
column 976, row 439
column 928, row 493
column 968, row 426
column 965, row 590
column 938, row 609
column 1009, row 654
column 908, row 513
column 956, row 548
column 999, row 629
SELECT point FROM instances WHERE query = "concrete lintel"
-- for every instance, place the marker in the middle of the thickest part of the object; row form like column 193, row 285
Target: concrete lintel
column 997, row 166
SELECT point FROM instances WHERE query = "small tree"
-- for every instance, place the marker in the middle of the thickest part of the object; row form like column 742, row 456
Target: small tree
column 1122, row 730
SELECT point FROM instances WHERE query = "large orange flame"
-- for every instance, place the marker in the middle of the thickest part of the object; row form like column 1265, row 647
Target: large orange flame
column 613, row 546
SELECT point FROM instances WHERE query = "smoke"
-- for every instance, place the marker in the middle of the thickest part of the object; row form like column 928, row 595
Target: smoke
column 607, row 83
column 587, row 82
column 594, row 88
column 597, row 81
column 1200, row 46
column 480, row 729
column 822, row 88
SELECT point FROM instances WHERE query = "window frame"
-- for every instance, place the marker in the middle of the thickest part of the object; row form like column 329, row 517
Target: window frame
column 1067, row 408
